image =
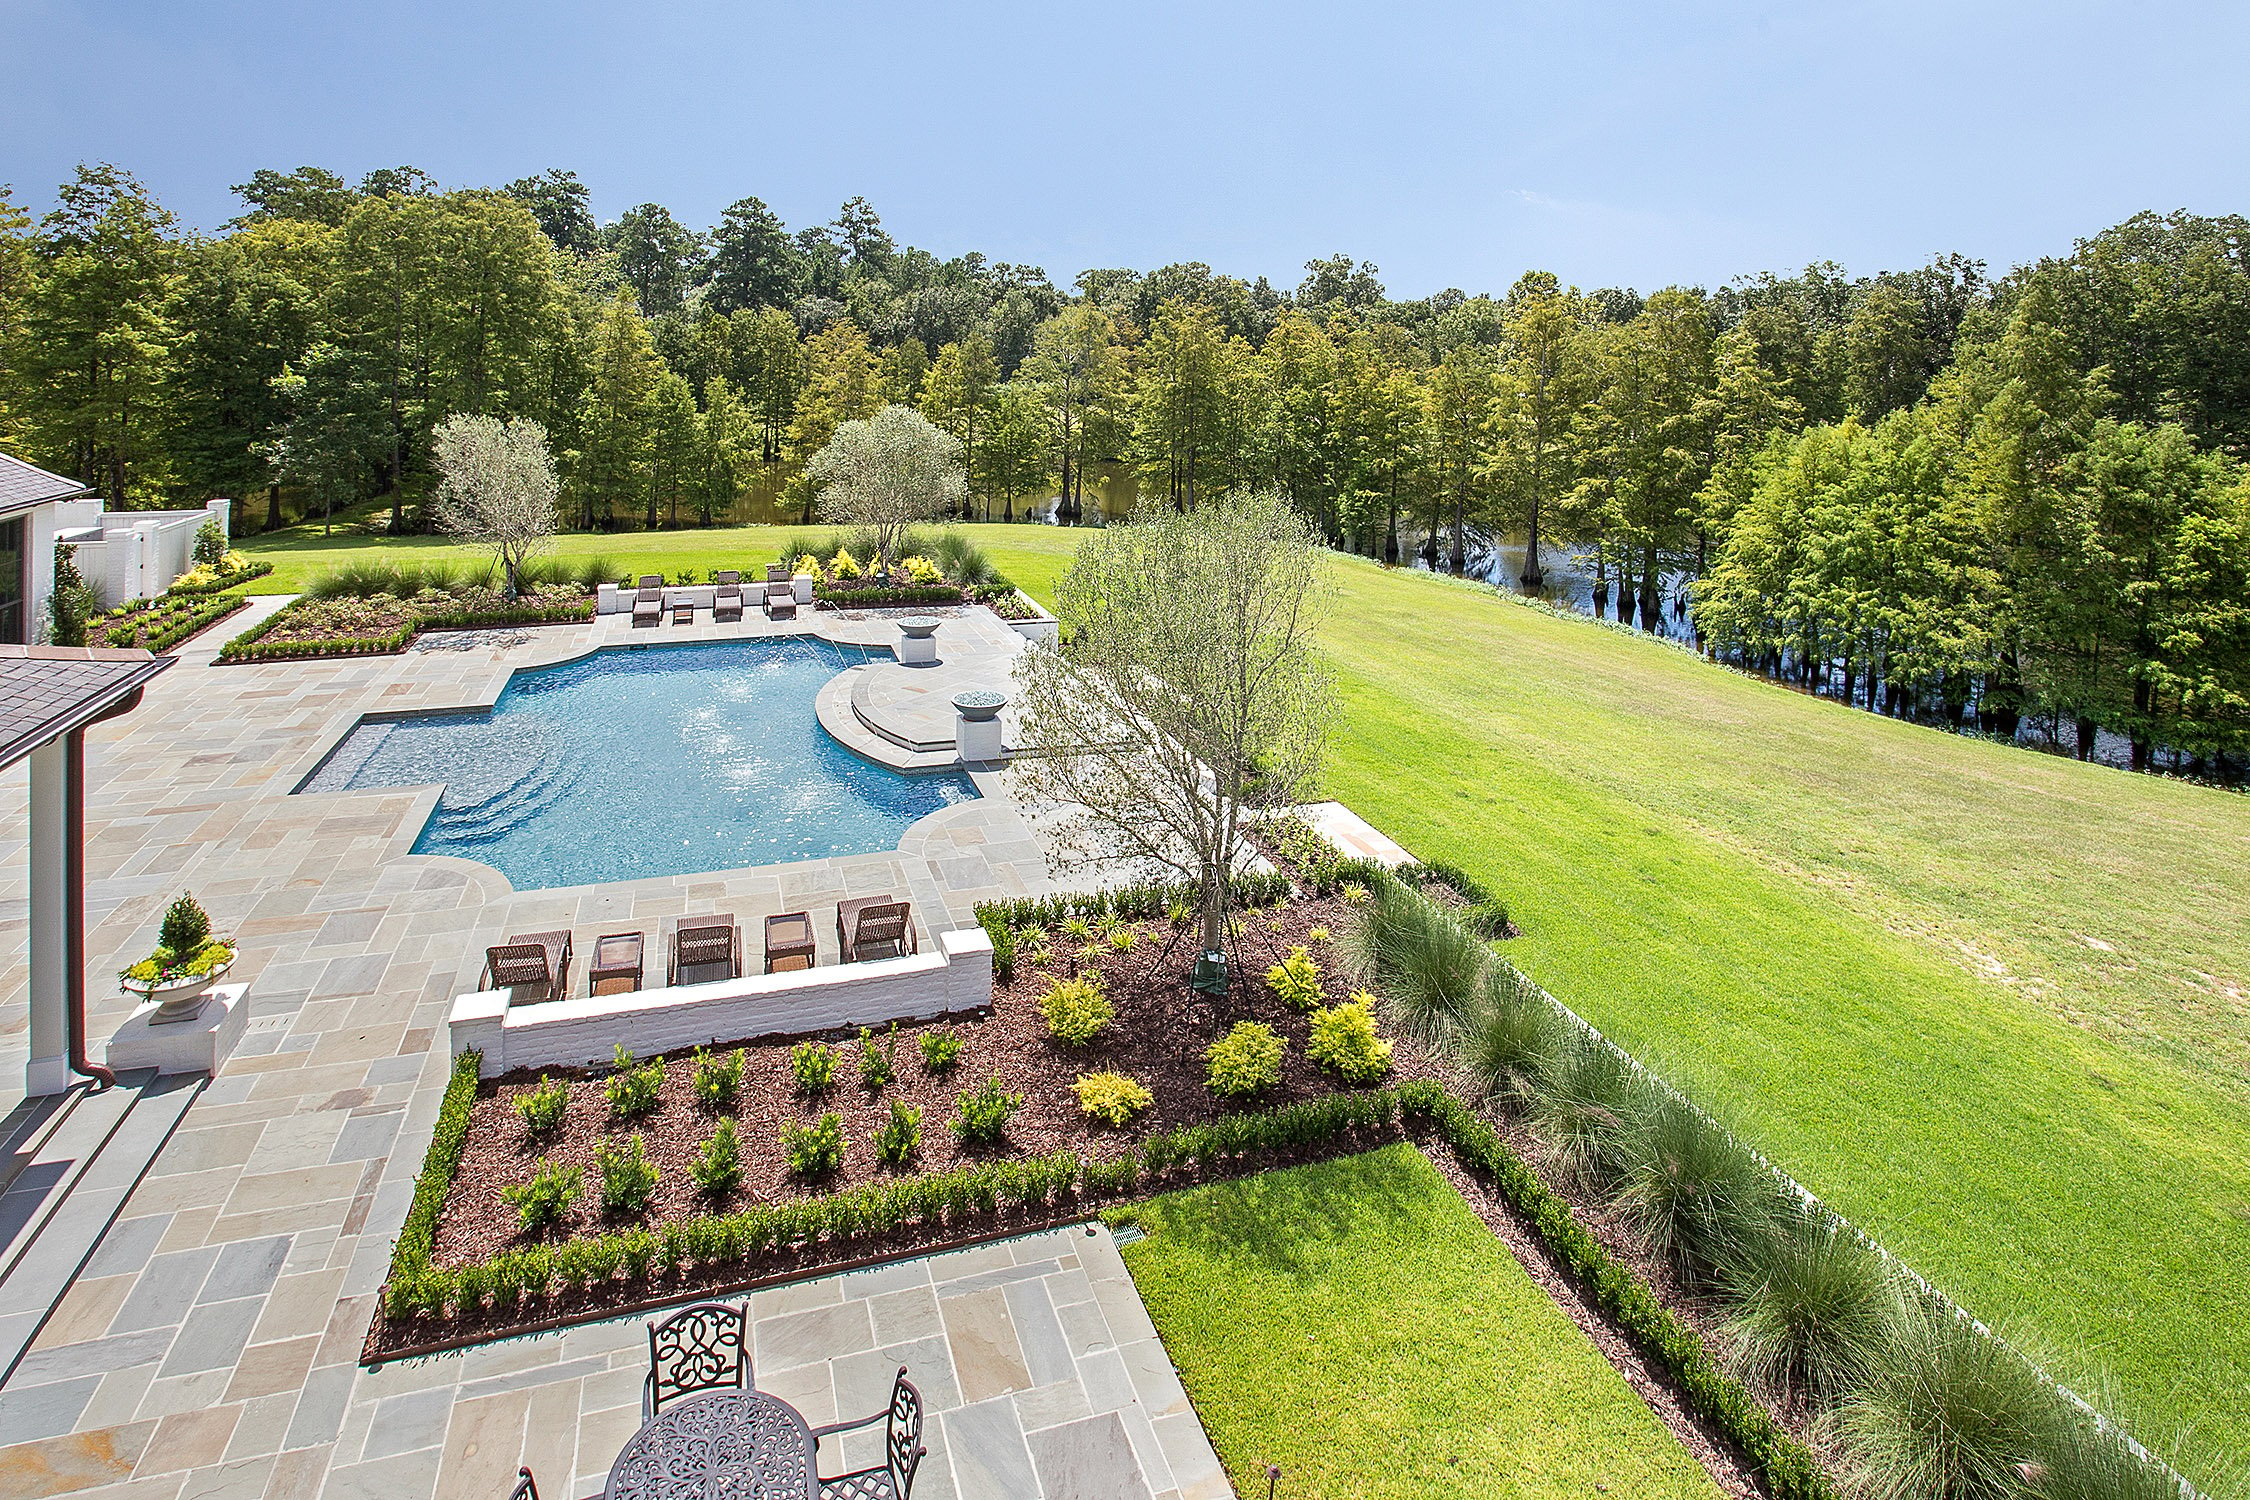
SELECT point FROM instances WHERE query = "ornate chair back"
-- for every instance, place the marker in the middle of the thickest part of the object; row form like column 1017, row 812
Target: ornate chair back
column 699, row 1348
column 525, row 1488
column 902, row 1442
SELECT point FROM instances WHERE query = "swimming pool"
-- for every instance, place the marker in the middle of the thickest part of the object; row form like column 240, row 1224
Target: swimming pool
column 644, row 760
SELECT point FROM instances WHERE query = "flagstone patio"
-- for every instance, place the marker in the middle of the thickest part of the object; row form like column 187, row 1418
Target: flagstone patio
column 210, row 1345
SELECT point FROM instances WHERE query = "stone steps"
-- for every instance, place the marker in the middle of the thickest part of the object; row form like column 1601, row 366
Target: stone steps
column 70, row 1189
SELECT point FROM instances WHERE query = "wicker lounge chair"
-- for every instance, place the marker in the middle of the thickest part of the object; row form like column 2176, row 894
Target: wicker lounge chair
column 875, row 927
column 703, row 949
column 648, row 603
column 726, row 604
column 530, row 966
column 776, row 573
column 781, row 602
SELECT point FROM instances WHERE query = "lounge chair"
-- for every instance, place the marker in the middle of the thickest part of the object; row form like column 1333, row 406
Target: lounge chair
column 875, row 927
column 530, row 966
column 704, row 949
column 781, row 602
column 726, row 604
column 648, row 603
column 776, row 573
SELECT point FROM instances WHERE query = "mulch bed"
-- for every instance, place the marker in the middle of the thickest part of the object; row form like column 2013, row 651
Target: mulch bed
column 1158, row 1036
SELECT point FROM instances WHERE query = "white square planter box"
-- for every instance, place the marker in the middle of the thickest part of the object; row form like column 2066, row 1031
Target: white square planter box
column 199, row 1046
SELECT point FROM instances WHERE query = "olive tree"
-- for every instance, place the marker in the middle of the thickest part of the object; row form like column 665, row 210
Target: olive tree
column 496, row 487
column 883, row 473
column 1189, row 696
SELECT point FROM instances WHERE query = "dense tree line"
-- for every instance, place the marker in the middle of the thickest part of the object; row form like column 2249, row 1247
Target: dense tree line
column 1930, row 491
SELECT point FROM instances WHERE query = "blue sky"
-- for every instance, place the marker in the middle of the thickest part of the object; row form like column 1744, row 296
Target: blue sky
column 1454, row 145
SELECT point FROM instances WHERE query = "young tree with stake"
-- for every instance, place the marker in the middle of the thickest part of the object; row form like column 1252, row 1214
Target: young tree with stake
column 496, row 487
column 1190, row 697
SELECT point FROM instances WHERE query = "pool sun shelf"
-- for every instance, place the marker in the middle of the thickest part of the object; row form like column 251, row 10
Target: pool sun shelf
column 586, row 1030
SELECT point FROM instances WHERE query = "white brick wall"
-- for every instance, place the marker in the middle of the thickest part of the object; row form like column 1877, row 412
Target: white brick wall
column 586, row 1030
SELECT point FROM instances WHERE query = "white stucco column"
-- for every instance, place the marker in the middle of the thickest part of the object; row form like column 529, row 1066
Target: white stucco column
column 48, row 1069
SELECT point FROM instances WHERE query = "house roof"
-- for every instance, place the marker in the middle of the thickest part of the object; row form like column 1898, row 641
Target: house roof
column 47, row 691
column 24, row 485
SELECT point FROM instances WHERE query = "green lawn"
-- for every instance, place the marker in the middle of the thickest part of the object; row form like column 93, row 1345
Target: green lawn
column 1990, row 1003
column 1357, row 1324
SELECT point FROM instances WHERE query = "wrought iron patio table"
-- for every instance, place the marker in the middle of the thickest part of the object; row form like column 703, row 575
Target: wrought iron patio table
column 720, row 1445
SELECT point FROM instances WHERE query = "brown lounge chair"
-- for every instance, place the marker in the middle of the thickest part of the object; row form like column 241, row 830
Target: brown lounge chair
column 530, row 966
column 726, row 604
column 648, row 603
column 703, row 949
column 776, row 573
column 875, row 927
column 781, row 602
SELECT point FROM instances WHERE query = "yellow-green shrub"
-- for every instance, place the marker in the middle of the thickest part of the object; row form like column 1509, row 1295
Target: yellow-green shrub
column 1076, row 1010
column 1245, row 1062
column 1111, row 1098
column 1344, row 1041
column 1295, row 981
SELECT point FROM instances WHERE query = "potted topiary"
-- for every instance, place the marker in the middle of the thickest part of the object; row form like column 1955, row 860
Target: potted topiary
column 188, row 960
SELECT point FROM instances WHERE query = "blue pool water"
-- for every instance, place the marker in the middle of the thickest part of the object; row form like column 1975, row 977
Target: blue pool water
column 661, row 760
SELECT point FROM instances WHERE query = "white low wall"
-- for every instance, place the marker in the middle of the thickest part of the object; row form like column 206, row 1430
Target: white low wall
column 1043, row 629
column 586, row 1030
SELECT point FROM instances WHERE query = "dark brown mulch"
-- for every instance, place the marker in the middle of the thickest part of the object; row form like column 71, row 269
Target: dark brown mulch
column 1158, row 1036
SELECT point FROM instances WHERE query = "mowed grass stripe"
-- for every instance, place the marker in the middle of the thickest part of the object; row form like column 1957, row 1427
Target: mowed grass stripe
column 1357, row 1324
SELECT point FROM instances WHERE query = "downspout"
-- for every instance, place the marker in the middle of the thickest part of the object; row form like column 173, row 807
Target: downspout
column 74, row 899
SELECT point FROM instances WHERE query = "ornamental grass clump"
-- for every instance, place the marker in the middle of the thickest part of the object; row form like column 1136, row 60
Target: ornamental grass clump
column 1426, row 963
column 1691, row 1191
column 1244, row 1063
column 982, row 1113
column 940, row 1051
column 1810, row 1305
column 1076, row 1010
column 1582, row 1104
column 2082, row 1461
column 899, row 1137
column 813, row 1150
column 1295, row 981
column 1513, row 1035
column 1345, row 1043
column 1112, row 1099
column 628, row 1176
column 718, row 1077
column 633, row 1088
column 1946, row 1412
column 717, row 1167
column 546, row 1197
column 543, row 1108
column 813, row 1065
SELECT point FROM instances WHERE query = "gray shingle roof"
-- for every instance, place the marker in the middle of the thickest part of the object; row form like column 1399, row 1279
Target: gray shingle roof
column 47, row 691
column 24, row 485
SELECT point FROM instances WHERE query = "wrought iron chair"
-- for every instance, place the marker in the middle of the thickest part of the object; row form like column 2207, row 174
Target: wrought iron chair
column 526, row 1487
column 902, row 1449
column 699, row 1348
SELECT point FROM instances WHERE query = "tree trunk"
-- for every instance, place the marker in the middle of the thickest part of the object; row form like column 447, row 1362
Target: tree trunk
column 273, row 507
column 1535, row 577
column 2085, row 729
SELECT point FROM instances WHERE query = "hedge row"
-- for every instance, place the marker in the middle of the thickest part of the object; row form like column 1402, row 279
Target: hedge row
column 251, row 645
column 164, row 626
column 223, row 582
column 962, row 1198
column 868, row 598
column 1140, row 901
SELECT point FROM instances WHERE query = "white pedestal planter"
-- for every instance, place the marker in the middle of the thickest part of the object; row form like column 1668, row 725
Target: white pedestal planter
column 976, row 724
column 200, row 1045
column 801, row 585
column 917, row 643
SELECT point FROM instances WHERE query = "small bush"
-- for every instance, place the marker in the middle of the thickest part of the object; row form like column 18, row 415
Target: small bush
column 542, row 1109
column 813, row 1064
column 1344, row 1041
column 718, row 1078
column 1811, row 1305
column 983, row 1113
column 1581, row 1108
column 1513, row 1034
column 546, row 1197
column 1076, row 1010
column 813, row 1150
column 1946, row 1412
column 878, row 1060
column 628, row 1176
column 1245, row 1062
column 717, row 1167
column 940, row 1050
column 1111, row 1098
column 210, row 544
column 1428, row 965
column 899, row 1137
column 1295, row 981
column 844, row 567
column 186, row 926
column 632, row 1089
column 1692, row 1191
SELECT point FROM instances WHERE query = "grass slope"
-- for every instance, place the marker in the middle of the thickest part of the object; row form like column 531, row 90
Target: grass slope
column 1989, row 1003
column 1355, row 1323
